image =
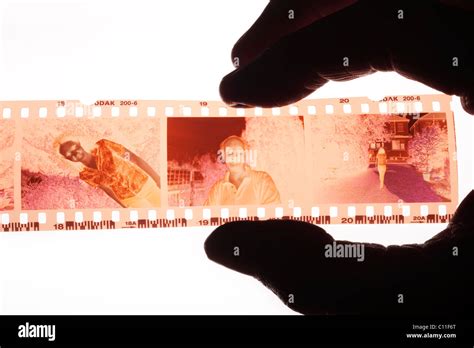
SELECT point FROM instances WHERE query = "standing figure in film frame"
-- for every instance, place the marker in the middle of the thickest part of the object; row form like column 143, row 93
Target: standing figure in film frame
column 278, row 65
column 381, row 163
column 120, row 173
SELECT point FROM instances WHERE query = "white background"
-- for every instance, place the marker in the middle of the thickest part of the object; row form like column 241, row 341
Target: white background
column 176, row 49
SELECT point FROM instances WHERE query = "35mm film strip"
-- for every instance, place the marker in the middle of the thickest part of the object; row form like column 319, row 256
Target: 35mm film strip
column 65, row 165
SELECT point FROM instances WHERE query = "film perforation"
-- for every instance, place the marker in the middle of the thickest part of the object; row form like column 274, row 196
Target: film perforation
column 211, row 221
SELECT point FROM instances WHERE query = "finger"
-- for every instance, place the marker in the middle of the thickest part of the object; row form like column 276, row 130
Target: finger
column 279, row 18
column 250, row 243
column 467, row 102
column 297, row 64
column 289, row 257
column 429, row 44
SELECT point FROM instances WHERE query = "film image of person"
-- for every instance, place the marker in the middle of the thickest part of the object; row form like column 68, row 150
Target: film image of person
column 121, row 174
column 241, row 184
column 381, row 163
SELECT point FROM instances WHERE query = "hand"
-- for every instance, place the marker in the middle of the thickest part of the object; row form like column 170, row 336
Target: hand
column 289, row 257
column 282, row 60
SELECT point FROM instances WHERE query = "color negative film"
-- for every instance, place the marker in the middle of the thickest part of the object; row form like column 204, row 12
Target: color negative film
column 124, row 163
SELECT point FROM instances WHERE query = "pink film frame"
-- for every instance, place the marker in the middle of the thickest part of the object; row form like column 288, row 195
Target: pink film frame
column 314, row 152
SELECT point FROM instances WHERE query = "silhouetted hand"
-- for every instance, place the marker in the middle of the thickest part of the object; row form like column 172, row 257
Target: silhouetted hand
column 282, row 60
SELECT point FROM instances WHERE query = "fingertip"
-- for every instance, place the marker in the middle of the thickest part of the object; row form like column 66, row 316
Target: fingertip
column 265, row 85
column 233, row 245
column 243, row 88
column 246, row 246
column 230, row 89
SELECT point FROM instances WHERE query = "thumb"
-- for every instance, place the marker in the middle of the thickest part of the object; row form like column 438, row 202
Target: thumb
column 289, row 258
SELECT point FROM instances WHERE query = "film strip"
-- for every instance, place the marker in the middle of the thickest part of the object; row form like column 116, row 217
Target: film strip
column 66, row 165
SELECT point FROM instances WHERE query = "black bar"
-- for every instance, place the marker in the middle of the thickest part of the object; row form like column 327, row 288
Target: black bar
column 291, row 330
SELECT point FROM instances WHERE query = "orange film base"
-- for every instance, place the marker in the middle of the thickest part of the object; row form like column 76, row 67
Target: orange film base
column 65, row 165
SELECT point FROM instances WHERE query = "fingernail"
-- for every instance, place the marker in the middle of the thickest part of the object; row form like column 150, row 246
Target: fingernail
column 239, row 105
